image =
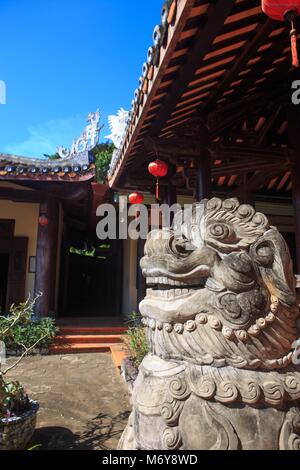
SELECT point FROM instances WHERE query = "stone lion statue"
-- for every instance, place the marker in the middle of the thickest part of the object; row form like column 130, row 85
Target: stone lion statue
column 221, row 320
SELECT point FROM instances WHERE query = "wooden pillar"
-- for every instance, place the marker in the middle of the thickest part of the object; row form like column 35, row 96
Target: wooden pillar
column 46, row 257
column 204, row 175
column 294, row 142
column 247, row 194
column 170, row 197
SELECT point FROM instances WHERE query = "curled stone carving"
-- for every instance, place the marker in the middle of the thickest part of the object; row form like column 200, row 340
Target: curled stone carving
column 172, row 438
column 170, row 411
column 179, row 389
column 250, row 392
column 221, row 316
column 226, row 392
column 290, row 433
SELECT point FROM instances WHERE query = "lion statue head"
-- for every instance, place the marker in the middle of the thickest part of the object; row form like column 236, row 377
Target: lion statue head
column 221, row 289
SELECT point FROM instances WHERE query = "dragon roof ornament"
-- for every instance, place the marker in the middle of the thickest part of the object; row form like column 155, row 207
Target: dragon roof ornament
column 87, row 140
column 117, row 124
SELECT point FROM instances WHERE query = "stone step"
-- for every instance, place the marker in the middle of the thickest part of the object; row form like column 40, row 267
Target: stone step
column 71, row 339
column 76, row 330
column 79, row 348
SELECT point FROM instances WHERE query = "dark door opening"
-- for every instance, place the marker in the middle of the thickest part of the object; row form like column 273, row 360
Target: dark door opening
column 91, row 283
column 4, row 267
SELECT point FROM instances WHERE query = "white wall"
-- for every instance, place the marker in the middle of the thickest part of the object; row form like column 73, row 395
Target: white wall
column 129, row 300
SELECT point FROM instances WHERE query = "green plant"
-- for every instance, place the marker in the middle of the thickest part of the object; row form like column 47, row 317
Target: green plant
column 13, row 399
column 135, row 339
column 30, row 333
column 103, row 154
column 20, row 329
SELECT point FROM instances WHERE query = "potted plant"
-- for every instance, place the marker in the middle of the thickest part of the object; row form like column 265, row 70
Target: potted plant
column 17, row 412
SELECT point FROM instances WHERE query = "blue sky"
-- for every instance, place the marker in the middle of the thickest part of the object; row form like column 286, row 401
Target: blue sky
column 61, row 59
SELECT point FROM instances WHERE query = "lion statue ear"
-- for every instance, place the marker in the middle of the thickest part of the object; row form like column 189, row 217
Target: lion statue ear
column 272, row 257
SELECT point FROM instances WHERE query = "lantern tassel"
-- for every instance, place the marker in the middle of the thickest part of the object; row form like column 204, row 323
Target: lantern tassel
column 290, row 16
column 157, row 190
column 294, row 48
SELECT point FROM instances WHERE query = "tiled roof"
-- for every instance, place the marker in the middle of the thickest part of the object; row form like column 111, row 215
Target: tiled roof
column 78, row 168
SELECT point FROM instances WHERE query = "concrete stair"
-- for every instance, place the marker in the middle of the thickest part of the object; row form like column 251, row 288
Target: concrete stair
column 77, row 340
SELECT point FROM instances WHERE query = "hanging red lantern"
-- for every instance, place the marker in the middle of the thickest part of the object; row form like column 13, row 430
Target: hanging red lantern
column 43, row 221
column 159, row 169
column 285, row 10
column 136, row 198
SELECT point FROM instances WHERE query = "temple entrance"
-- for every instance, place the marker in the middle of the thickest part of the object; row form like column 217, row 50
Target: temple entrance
column 91, row 282
column 4, row 265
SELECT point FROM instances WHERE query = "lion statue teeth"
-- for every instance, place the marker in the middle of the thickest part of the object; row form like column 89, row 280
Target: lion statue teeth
column 221, row 319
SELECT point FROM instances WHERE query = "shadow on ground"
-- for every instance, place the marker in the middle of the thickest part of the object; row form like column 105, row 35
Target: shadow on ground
column 98, row 435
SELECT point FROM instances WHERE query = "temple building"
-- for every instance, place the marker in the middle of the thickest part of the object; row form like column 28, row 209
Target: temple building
column 217, row 102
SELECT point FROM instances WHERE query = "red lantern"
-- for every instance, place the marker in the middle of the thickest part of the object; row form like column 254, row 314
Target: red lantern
column 159, row 169
column 43, row 221
column 136, row 198
column 285, row 10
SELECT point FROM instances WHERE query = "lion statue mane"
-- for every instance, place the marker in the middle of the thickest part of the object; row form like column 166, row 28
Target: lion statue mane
column 221, row 317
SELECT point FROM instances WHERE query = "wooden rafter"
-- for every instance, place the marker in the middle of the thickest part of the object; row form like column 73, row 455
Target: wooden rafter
column 216, row 16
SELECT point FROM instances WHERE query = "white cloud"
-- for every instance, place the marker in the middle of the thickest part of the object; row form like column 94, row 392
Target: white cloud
column 46, row 137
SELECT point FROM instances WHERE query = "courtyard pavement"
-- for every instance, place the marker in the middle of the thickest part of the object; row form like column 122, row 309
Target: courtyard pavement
column 83, row 403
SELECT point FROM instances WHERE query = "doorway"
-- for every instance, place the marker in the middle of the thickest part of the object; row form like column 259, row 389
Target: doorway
column 4, row 268
column 91, row 282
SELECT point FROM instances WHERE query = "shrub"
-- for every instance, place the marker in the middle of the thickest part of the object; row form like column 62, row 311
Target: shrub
column 135, row 340
column 19, row 329
column 29, row 334
column 28, row 329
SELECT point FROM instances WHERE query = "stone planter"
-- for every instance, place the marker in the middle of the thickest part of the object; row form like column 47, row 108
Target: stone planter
column 16, row 432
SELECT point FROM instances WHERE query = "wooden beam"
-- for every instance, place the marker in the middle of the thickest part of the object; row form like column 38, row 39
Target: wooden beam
column 253, row 183
column 252, row 46
column 21, row 195
column 244, row 152
column 216, row 16
column 236, row 111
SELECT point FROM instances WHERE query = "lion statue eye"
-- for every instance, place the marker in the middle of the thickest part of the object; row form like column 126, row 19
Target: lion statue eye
column 180, row 247
column 221, row 232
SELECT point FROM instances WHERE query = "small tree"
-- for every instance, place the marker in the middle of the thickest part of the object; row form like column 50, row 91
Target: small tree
column 103, row 154
column 13, row 399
